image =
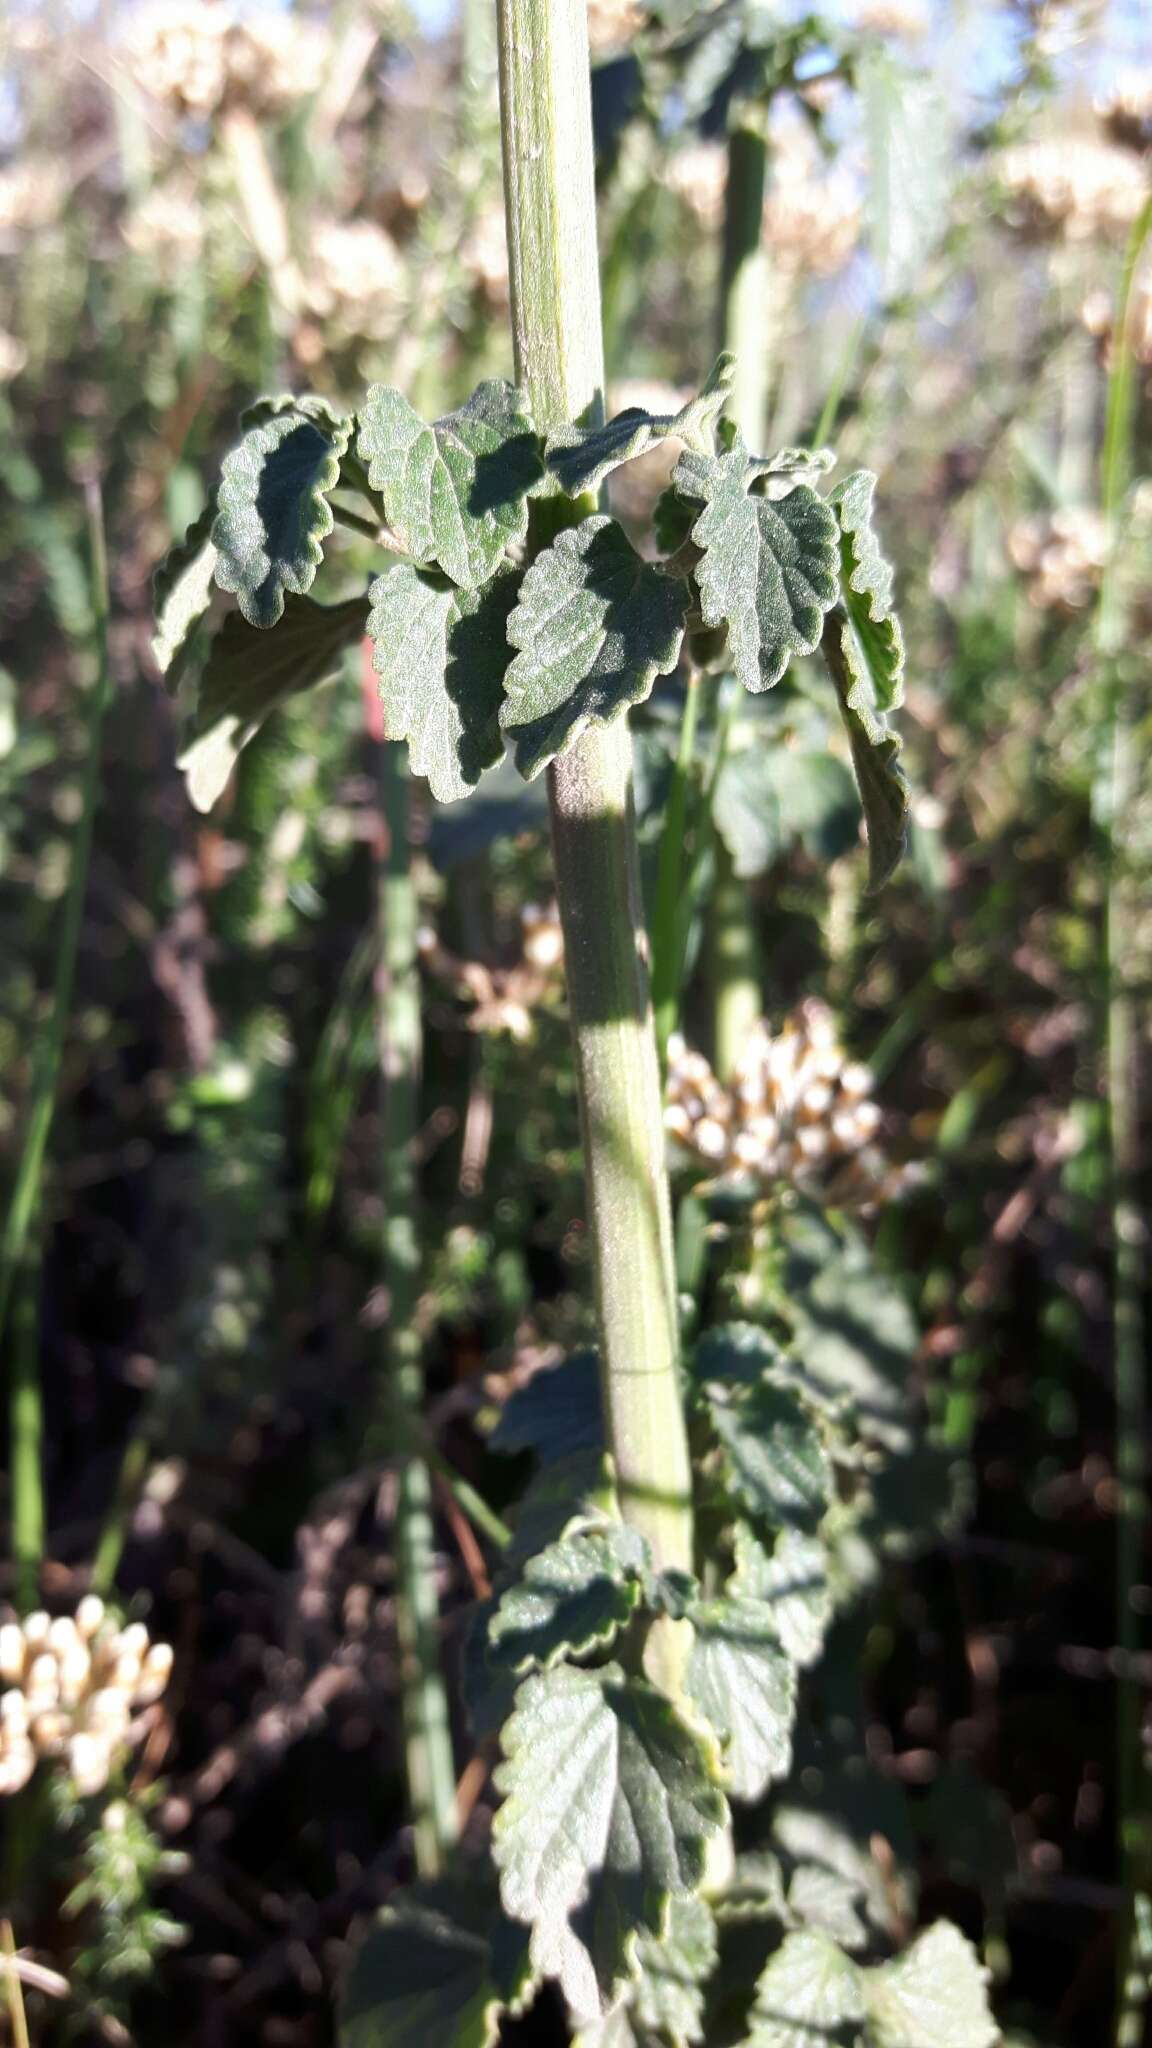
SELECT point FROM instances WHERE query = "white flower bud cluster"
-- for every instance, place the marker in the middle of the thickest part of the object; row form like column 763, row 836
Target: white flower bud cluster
column 1062, row 557
column 1076, row 188
column 197, row 58
column 1097, row 314
column 798, row 1114
column 542, row 935
column 70, row 1688
column 1125, row 111
column 354, row 280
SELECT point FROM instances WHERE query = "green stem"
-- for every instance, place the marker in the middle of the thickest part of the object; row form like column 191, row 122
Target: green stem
column 27, row 1434
column 110, row 1548
column 670, row 923
column 1123, row 1053
column 427, row 1732
column 25, row 1395
column 546, row 126
column 735, row 952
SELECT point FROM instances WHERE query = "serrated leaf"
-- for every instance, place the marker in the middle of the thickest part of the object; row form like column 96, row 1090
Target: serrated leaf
column 867, row 594
column 581, row 457
column 775, row 1462
column 933, row 1996
column 182, row 592
column 273, row 509
column 610, row 1806
column 745, row 1686
column 250, row 673
column 755, row 1891
column 555, row 1412
column 455, row 493
column 594, row 627
column 440, row 653
column 768, row 567
column 769, row 797
column 672, row 1971
column 570, row 1493
column 809, row 1996
column 826, row 1899
column 864, row 648
column 572, row 1598
column 436, row 1965
column 792, row 1580
column 306, row 405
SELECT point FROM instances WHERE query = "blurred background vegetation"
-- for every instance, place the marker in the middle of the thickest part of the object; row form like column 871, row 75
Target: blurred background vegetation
column 200, row 202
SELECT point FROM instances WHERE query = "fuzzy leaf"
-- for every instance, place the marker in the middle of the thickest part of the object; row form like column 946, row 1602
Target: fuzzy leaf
column 610, row 1807
column 595, row 626
column 933, row 1996
column 738, row 1354
column 440, row 654
column 581, row 457
column 792, row 1581
column 864, row 648
column 745, row 1686
column 673, row 1969
column 455, row 493
column 249, row 674
column 555, row 1412
column 182, row 592
column 768, row 570
column 854, row 1329
column 574, row 1597
column 274, row 511
column 809, row 1996
column 438, row 1964
column 777, row 1466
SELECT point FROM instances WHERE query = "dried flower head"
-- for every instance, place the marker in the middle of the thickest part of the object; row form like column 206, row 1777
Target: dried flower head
column 484, row 255
column 31, row 195
column 908, row 18
column 612, row 25
column 1097, row 315
column 1061, row 556
column 354, row 280
column 1075, row 188
column 698, row 174
column 197, row 58
column 504, row 998
column 167, row 227
column 70, row 1689
column 1125, row 111
column 798, row 1113
column 812, row 216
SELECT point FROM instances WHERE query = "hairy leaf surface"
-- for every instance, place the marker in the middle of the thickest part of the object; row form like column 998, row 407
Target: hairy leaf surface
column 595, row 626
column 555, row 1412
column 792, row 1580
column 574, row 1596
column 864, row 648
column 440, row 654
column 250, row 673
column 609, row 1808
column 809, row 1996
column 273, row 512
column 745, row 1686
column 776, row 1464
column 455, row 493
column 439, row 1964
column 768, row 568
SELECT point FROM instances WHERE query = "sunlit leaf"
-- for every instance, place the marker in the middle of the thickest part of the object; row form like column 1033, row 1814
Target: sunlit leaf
column 792, row 1580
column 775, row 1462
column 745, row 1686
column 768, row 568
column 809, row 1996
column 933, row 1996
column 455, row 493
column 595, row 626
column 610, row 1805
column 249, row 673
column 864, row 649
column 672, row 1969
column 440, row 653
column 182, row 592
column 273, row 509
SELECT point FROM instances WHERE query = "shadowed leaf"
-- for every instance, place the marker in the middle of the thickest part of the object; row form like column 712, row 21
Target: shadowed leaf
column 440, row 653
column 273, row 508
column 455, row 493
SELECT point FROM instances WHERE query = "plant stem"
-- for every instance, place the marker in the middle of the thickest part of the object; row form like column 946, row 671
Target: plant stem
column 427, row 1732
column 16, row 1266
column 1123, row 1041
column 546, row 123
column 670, row 919
column 110, row 1548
